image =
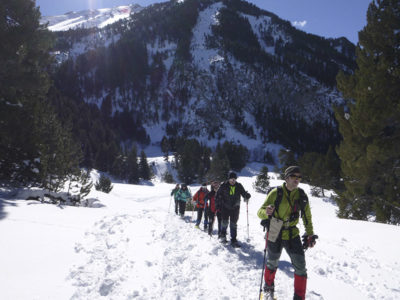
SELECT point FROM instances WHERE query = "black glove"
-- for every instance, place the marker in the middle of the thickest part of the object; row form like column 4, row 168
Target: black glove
column 265, row 223
column 309, row 241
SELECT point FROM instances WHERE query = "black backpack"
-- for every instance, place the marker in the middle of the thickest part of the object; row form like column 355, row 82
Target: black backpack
column 300, row 203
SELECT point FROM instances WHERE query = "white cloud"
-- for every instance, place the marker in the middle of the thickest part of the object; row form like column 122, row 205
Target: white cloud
column 299, row 23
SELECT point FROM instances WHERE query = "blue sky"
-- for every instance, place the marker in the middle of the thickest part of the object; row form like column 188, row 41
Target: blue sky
column 328, row 18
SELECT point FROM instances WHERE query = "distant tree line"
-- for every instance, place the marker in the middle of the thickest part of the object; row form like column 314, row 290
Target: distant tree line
column 195, row 162
column 282, row 126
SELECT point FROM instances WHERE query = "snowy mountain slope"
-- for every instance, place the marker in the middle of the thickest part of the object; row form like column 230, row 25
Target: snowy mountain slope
column 204, row 57
column 90, row 18
column 204, row 82
column 135, row 247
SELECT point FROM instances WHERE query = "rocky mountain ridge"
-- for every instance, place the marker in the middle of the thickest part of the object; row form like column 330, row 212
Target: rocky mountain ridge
column 213, row 70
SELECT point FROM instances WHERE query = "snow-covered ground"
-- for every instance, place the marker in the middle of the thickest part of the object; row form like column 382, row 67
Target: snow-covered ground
column 133, row 246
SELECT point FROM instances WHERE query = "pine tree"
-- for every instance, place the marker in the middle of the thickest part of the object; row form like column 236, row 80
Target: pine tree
column 204, row 164
column 106, row 107
column 24, row 58
column 119, row 167
column 262, row 182
column 220, row 166
column 168, row 178
column 58, row 155
column 86, row 184
column 132, row 166
column 188, row 160
column 104, row 184
column 370, row 125
column 332, row 164
column 237, row 155
column 306, row 163
column 320, row 170
column 144, row 169
column 165, row 147
column 286, row 159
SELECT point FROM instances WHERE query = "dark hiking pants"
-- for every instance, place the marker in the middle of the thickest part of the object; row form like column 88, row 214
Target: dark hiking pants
column 200, row 216
column 182, row 207
column 211, row 220
column 294, row 249
column 230, row 216
column 176, row 206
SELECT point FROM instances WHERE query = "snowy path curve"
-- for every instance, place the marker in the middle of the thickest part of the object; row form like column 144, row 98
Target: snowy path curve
column 174, row 260
column 145, row 252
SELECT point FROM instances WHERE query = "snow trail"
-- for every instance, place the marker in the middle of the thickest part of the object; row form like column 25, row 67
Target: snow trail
column 146, row 252
column 131, row 247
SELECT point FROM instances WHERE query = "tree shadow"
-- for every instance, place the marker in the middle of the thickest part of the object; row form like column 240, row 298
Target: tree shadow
column 3, row 203
column 188, row 219
column 3, row 214
column 330, row 200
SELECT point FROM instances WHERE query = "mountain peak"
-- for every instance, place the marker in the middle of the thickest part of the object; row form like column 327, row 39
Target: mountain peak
column 90, row 18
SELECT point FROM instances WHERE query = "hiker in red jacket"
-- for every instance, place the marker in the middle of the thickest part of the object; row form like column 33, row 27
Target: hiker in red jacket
column 198, row 200
column 212, row 209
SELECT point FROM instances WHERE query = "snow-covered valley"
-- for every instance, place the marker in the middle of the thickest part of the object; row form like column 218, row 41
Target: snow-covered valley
column 133, row 246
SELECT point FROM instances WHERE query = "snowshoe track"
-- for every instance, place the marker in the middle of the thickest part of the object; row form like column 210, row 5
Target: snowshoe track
column 154, row 254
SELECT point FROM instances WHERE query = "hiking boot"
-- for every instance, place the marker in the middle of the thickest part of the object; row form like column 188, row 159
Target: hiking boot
column 235, row 244
column 223, row 239
column 196, row 226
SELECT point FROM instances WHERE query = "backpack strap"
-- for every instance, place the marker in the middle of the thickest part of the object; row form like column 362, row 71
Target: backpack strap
column 279, row 196
column 278, row 200
column 303, row 200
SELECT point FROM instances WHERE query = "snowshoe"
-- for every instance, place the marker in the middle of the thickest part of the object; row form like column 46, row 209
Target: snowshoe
column 268, row 293
column 267, row 296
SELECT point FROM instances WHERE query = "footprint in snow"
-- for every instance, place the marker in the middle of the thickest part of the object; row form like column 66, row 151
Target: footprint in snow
column 106, row 287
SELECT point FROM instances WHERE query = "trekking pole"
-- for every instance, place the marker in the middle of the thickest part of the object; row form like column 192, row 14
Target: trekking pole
column 263, row 268
column 192, row 209
column 247, row 210
column 205, row 219
column 169, row 207
column 191, row 201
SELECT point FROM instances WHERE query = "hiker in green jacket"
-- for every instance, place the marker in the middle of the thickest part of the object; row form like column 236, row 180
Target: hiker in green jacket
column 183, row 196
column 174, row 193
column 282, row 210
